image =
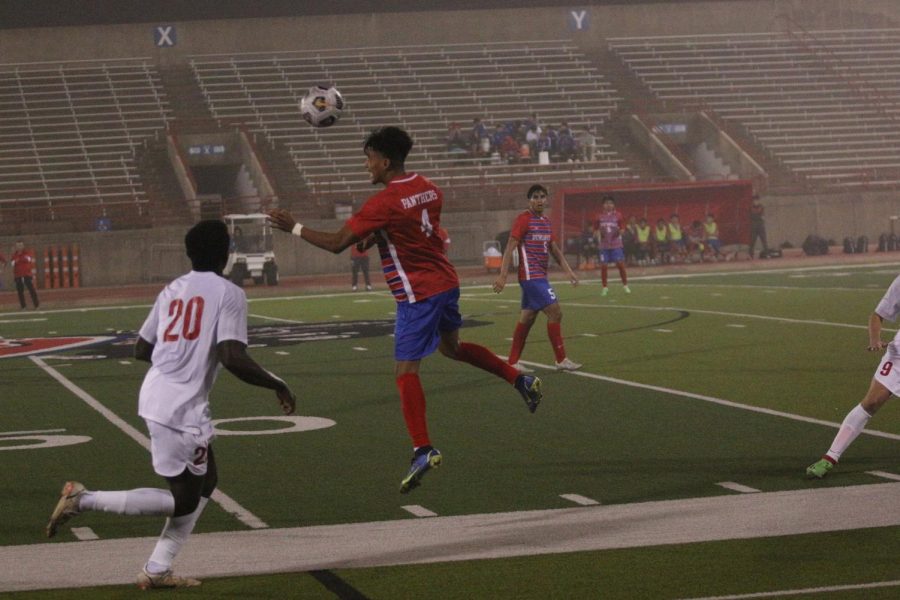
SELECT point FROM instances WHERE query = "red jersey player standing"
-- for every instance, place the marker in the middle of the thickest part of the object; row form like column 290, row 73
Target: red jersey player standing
column 405, row 218
column 608, row 228
column 23, row 271
column 532, row 237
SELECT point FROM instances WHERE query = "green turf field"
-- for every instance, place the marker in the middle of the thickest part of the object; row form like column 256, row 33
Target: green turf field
column 687, row 382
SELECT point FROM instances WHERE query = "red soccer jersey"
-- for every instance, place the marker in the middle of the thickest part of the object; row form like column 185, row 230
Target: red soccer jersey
column 405, row 217
column 534, row 235
column 23, row 263
column 610, row 226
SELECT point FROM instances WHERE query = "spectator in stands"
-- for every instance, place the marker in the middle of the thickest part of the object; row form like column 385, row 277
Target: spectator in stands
column 481, row 145
column 497, row 138
column 544, row 144
column 533, row 122
column 587, row 144
column 456, row 141
column 23, row 271
column 531, row 138
column 758, row 227
column 568, row 147
column 554, row 143
column 661, row 242
column 509, row 149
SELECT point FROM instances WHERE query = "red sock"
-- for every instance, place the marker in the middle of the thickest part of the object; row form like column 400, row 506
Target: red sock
column 481, row 357
column 412, row 401
column 554, row 332
column 622, row 273
column 603, row 273
column 518, row 343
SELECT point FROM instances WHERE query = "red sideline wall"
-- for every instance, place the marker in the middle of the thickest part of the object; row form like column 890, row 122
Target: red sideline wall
column 729, row 201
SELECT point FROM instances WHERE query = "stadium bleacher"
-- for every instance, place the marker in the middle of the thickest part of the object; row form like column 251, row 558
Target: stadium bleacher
column 824, row 103
column 68, row 134
column 424, row 88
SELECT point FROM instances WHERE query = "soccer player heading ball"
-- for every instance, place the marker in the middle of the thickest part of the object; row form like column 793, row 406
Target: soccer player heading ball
column 403, row 220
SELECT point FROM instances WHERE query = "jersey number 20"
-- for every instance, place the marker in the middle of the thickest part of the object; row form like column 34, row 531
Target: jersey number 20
column 187, row 316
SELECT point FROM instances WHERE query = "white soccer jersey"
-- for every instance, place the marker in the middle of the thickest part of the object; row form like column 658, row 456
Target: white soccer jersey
column 190, row 317
column 889, row 307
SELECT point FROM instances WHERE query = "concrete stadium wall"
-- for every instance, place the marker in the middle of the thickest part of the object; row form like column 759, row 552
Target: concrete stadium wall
column 131, row 257
column 117, row 258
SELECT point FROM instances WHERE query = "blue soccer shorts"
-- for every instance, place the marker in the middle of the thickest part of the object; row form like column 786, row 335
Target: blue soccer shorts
column 612, row 255
column 417, row 332
column 536, row 294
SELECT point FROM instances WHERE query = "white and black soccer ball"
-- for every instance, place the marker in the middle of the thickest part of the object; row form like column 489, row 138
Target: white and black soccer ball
column 322, row 106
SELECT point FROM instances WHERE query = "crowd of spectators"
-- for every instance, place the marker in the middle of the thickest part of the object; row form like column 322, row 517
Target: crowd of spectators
column 521, row 141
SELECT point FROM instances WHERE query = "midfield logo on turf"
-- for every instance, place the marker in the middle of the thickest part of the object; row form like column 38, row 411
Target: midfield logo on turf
column 29, row 346
column 121, row 345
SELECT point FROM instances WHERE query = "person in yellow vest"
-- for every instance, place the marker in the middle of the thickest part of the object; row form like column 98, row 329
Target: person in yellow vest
column 677, row 243
column 711, row 235
column 661, row 242
column 642, row 231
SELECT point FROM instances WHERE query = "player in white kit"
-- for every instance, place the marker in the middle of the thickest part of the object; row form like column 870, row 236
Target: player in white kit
column 198, row 321
column 885, row 383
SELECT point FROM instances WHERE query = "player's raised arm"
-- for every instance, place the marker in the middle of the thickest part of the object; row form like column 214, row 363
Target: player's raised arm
column 335, row 242
column 233, row 356
column 512, row 244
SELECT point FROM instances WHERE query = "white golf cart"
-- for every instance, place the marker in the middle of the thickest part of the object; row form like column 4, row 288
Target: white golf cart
column 251, row 252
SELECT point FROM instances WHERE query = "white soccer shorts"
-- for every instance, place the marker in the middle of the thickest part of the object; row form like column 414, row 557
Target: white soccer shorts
column 888, row 371
column 173, row 450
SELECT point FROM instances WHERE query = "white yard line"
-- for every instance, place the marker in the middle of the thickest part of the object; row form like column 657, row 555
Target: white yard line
column 884, row 475
column 225, row 501
column 737, row 487
column 418, row 511
column 805, row 591
column 711, row 399
column 467, row 537
column 279, row 319
column 579, row 499
column 84, row 534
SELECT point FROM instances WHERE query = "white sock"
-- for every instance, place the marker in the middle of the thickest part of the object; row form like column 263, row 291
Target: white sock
column 853, row 424
column 142, row 501
column 172, row 538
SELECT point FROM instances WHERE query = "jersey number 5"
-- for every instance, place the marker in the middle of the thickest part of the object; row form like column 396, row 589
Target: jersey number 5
column 192, row 314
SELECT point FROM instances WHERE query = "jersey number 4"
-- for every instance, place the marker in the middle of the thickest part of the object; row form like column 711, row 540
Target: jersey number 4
column 187, row 316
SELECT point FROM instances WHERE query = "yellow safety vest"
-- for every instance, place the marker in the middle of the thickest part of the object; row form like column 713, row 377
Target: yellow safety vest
column 712, row 230
column 674, row 232
column 643, row 234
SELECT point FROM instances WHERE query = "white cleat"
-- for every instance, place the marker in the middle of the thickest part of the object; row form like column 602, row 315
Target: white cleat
column 567, row 365
column 156, row 581
column 67, row 506
column 627, row 289
column 522, row 368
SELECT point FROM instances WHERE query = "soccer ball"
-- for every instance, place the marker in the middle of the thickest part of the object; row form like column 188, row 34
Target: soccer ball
column 322, row 106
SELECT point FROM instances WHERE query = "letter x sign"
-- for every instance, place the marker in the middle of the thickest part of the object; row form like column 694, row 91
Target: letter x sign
column 164, row 36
